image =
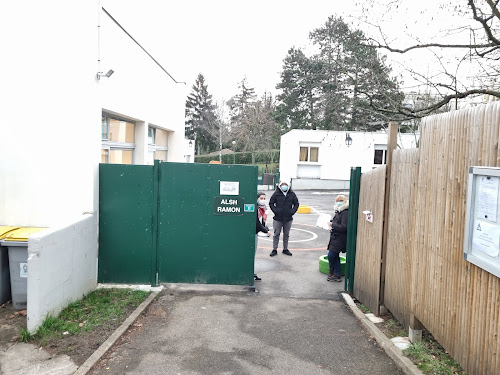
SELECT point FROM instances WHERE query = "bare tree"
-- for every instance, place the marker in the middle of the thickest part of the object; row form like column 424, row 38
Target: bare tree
column 474, row 37
column 222, row 118
column 257, row 129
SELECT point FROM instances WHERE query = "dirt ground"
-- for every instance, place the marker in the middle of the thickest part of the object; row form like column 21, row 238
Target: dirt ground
column 78, row 347
column 11, row 323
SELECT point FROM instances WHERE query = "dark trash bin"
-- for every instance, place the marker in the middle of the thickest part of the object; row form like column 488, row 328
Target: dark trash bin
column 268, row 179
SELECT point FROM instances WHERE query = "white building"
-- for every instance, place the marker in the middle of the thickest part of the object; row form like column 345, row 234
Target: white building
column 321, row 159
column 61, row 118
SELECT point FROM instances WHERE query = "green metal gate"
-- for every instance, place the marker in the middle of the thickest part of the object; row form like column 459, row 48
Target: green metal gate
column 177, row 222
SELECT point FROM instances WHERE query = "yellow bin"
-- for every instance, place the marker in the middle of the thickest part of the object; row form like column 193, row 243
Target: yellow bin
column 22, row 234
column 304, row 210
column 6, row 230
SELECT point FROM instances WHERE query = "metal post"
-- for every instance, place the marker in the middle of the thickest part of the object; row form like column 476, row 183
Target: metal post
column 352, row 228
column 154, row 231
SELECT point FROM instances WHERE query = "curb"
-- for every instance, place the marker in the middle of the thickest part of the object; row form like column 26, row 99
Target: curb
column 391, row 350
column 106, row 345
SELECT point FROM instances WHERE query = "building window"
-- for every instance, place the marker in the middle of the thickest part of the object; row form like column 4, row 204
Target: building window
column 117, row 140
column 120, row 156
column 157, row 144
column 309, row 154
column 151, row 135
column 380, row 156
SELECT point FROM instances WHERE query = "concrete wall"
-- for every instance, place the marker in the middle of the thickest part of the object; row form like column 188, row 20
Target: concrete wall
column 62, row 267
column 335, row 158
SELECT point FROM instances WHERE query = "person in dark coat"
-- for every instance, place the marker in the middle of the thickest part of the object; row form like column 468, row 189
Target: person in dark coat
column 338, row 237
column 261, row 223
column 284, row 204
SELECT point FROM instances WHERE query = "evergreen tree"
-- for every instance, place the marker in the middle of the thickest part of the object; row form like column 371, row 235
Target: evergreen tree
column 300, row 85
column 238, row 103
column 331, row 40
column 201, row 120
column 336, row 87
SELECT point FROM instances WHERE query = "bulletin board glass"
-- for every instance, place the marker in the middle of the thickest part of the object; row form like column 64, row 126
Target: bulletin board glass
column 482, row 225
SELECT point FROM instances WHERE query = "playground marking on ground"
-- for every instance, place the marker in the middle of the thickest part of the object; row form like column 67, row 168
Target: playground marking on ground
column 314, row 236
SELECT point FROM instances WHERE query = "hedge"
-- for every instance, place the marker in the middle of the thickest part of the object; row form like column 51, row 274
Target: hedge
column 241, row 158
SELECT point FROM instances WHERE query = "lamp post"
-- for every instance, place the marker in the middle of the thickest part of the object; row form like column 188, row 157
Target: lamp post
column 348, row 140
column 234, row 155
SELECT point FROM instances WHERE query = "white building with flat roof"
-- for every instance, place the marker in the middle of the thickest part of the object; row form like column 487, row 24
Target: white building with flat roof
column 322, row 159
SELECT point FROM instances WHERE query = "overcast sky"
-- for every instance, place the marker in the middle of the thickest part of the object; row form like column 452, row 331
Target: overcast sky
column 227, row 40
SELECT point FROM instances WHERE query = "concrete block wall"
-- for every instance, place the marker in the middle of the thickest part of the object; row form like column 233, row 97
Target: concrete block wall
column 62, row 267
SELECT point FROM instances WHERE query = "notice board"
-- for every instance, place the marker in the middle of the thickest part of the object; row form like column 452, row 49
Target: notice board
column 482, row 225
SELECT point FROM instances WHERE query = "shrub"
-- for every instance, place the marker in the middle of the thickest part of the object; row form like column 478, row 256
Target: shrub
column 261, row 157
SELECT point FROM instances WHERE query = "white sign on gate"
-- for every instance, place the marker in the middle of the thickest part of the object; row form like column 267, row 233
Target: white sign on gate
column 229, row 188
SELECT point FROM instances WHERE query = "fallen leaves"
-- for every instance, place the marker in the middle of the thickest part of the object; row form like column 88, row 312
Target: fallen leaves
column 17, row 313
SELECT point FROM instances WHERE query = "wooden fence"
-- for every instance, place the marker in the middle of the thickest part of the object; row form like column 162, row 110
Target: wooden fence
column 426, row 274
column 402, row 207
column 369, row 245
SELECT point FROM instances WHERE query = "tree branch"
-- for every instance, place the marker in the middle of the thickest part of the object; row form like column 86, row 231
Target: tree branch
column 483, row 22
column 429, row 45
column 411, row 113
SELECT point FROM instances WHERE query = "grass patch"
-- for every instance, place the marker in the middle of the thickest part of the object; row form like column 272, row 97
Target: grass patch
column 428, row 355
column 394, row 328
column 94, row 311
column 365, row 309
column 431, row 358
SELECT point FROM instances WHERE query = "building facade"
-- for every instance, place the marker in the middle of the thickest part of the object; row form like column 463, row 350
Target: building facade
column 322, row 159
column 64, row 113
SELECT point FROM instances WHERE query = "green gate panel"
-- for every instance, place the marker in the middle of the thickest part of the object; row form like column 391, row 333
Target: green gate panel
column 126, row 224
column 352, row 228
column 195, row 243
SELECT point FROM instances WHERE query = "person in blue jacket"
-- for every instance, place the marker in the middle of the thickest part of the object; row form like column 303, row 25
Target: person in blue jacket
column 284, row 204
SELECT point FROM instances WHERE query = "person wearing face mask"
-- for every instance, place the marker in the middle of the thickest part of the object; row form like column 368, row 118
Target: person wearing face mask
column 338, row 237
column 261, row 223
column 284, row 204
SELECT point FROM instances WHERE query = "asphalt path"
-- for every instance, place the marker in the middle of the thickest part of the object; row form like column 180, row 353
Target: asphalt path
column 298, row 275
column 294, row 323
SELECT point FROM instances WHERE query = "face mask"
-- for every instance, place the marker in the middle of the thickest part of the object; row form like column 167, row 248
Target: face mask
column 338, row 204
column 261, row 202
column 284, row 187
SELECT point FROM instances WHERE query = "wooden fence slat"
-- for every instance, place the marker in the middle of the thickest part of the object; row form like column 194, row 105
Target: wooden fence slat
column 369, row 246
